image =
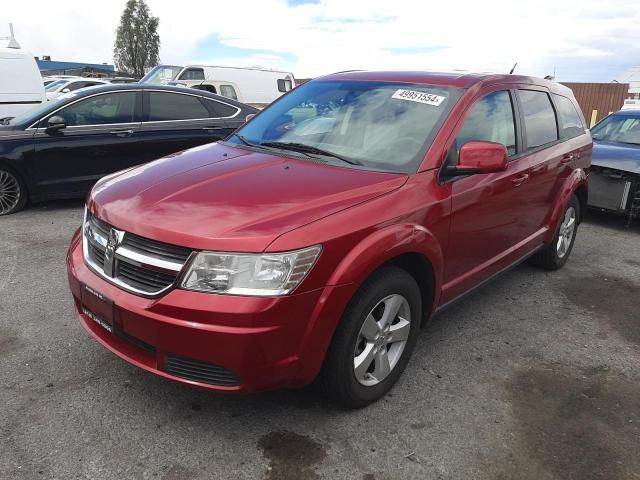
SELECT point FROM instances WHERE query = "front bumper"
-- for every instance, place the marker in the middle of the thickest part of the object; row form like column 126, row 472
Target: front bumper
column 221, row 342
column 614, row 190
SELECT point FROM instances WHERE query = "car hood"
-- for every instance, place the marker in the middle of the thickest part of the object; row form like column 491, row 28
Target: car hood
column 218, row 197
column 620, row 156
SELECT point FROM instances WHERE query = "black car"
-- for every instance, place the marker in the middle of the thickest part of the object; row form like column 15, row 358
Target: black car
column 614, row 184
column 62, row 148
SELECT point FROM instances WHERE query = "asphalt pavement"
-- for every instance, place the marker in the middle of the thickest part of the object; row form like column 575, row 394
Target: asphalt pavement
column 534, row 376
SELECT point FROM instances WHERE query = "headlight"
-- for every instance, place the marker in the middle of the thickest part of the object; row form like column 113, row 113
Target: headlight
column 266, row 274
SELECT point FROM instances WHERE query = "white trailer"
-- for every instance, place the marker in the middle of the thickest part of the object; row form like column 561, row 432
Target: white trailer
column 21, row 86
column 253, row 85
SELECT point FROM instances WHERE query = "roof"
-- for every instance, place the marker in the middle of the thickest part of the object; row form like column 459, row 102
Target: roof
column 450, row 79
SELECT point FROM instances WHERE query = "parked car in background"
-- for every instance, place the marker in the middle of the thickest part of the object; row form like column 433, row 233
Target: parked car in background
column 62, row 148
column 121, row 79
column 253, row 85
column 66, row 85
column 314, row 242
column 615, row 178
column 21, row 86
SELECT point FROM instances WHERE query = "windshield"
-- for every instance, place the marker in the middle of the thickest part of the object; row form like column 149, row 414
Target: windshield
column 618, row 128
column 55, row 85
column 377, row 125
column 161, row 74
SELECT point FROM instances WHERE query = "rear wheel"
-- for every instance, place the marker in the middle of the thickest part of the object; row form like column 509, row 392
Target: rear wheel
column 374, row 340
column 555, row 254
column 13, row 195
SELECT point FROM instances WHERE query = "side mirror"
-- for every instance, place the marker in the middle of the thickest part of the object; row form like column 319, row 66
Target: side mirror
column 65, row 90
column 249, row 117
column 55, row 124
column 480, row 157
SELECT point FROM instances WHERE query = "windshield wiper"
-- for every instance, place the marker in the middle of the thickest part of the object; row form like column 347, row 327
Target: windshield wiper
column 303, row 148
column 245, row 141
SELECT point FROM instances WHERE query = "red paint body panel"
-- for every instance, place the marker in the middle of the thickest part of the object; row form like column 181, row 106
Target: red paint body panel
column 226, row 198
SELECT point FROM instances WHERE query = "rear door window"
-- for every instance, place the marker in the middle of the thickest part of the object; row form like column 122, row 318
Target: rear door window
column 540, row 124
column 165, row 106
column 490, row 120
column 284, row 85
column 569, row 117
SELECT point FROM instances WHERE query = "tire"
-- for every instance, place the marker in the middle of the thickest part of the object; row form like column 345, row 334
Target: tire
column 388, row 289
column 555, row 254
column 13, row 193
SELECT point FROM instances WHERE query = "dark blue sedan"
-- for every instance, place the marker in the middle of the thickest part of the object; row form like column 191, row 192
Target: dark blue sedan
column 614, row 184
column 63, row 147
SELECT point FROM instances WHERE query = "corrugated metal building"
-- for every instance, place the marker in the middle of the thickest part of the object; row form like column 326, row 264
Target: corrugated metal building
column 597, row 100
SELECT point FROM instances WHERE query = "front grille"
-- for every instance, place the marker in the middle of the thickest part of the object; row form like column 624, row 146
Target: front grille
column 200, row 371
column 140, row 265
column 152, row 247
column 144, row 278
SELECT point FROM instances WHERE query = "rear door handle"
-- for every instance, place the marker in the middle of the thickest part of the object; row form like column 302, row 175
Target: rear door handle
column 568, row 158
column 212, row 129
column 520, row 180
column 121, row 133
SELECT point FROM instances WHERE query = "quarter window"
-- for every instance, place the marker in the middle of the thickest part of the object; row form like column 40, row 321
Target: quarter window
column 228, row 91
column 221, row 110
column 571, row 122
column 540, row 123
column 490, row 120
column 174, row 106
column 192, row 74
column 101, row 109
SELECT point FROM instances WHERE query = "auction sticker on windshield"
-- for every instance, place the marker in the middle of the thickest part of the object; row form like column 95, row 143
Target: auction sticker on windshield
column 420, row 97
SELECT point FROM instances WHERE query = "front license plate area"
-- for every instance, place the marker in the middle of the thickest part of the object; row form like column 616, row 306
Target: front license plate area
column 97, row 307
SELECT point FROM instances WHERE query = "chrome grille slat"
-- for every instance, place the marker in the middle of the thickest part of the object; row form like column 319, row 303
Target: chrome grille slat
column 142, row 266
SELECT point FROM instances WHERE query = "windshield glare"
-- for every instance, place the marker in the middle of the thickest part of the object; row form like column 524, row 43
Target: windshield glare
column 161, row 74
column 618, row 128
column 384, row 126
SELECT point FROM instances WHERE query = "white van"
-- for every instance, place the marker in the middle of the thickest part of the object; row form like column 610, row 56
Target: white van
column 21, row 87
column 256, row 86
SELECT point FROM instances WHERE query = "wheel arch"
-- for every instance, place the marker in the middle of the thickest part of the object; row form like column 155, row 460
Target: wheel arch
column 409, row 246
column 577, row 184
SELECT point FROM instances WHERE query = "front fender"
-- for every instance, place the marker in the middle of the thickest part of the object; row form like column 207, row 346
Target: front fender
column 368, row 255
column 385, row 244
column 574, row 181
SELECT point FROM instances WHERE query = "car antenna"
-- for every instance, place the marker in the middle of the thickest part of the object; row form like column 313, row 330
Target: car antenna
column 513, row 68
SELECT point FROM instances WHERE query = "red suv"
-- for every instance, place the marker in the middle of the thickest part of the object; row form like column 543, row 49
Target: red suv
column 314, row 242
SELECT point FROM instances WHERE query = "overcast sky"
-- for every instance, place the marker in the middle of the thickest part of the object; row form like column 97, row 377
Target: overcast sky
column 583, row 40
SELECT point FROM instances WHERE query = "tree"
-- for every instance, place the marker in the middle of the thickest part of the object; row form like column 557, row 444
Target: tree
column 137, row 44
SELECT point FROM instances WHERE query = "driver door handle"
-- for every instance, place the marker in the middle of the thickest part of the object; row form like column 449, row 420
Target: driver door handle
column 520, row 180
column 121, row 133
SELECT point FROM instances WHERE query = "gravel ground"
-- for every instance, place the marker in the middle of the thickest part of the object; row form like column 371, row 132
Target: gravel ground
column 534, row 376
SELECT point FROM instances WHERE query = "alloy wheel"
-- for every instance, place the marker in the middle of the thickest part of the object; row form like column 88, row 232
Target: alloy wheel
column 382, row 339
column 9, row 192
column 567, row 229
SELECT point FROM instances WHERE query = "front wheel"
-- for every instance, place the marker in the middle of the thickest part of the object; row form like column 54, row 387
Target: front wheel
column 13, row 194
column 554, row 255
column 374, row 340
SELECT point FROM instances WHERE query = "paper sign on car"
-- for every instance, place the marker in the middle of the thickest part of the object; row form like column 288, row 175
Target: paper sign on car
column 420, row 97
